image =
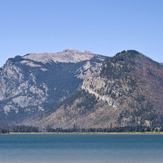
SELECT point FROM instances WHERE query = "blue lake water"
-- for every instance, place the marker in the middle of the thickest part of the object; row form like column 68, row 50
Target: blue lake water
column 81, row 148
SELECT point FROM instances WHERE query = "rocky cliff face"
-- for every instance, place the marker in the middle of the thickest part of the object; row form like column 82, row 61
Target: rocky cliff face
column 127, row 90
column 35, row 82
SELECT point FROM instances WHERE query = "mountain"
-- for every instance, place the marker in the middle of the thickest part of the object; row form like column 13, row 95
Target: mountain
column 126, row 90
column 32, row 84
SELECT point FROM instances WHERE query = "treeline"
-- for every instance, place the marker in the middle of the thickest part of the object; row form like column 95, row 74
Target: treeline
column 116, row 129
column 4, row 131
column 24, row 128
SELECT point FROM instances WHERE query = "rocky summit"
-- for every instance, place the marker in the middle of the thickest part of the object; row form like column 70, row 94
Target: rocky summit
column 34, row 83
column 126, row 90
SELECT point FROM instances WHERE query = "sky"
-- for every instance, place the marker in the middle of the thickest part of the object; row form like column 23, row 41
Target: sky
column 101, row 26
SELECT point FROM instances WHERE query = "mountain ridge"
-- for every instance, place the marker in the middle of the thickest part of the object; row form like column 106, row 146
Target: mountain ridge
column 68, row 55
column 98, row 92
column 30, row 86
column 127, row 90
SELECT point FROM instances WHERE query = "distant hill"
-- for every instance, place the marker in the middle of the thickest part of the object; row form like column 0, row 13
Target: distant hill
column 126, row 90
column 34, row 83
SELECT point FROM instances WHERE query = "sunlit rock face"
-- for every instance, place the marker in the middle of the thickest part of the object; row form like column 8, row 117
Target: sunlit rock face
column 66, row 56
column 31, row 84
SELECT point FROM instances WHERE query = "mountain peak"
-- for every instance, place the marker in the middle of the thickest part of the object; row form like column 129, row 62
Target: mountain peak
column 128, row 54
column 69, row 50
column 131, row 57
column 68, row 55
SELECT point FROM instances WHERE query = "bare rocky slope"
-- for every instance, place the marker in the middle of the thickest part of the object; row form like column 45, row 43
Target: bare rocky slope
column 127, row 90
column 32, row 84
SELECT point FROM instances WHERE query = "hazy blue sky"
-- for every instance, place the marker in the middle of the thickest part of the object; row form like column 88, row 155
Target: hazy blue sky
column 100, row 26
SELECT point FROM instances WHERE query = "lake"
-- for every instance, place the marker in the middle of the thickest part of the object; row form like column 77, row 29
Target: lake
column 81, row 148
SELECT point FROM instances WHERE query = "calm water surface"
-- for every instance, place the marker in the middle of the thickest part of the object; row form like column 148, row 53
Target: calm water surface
column 81, row 148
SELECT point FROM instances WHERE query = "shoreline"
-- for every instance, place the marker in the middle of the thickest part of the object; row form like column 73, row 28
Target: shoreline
column 101, row 133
